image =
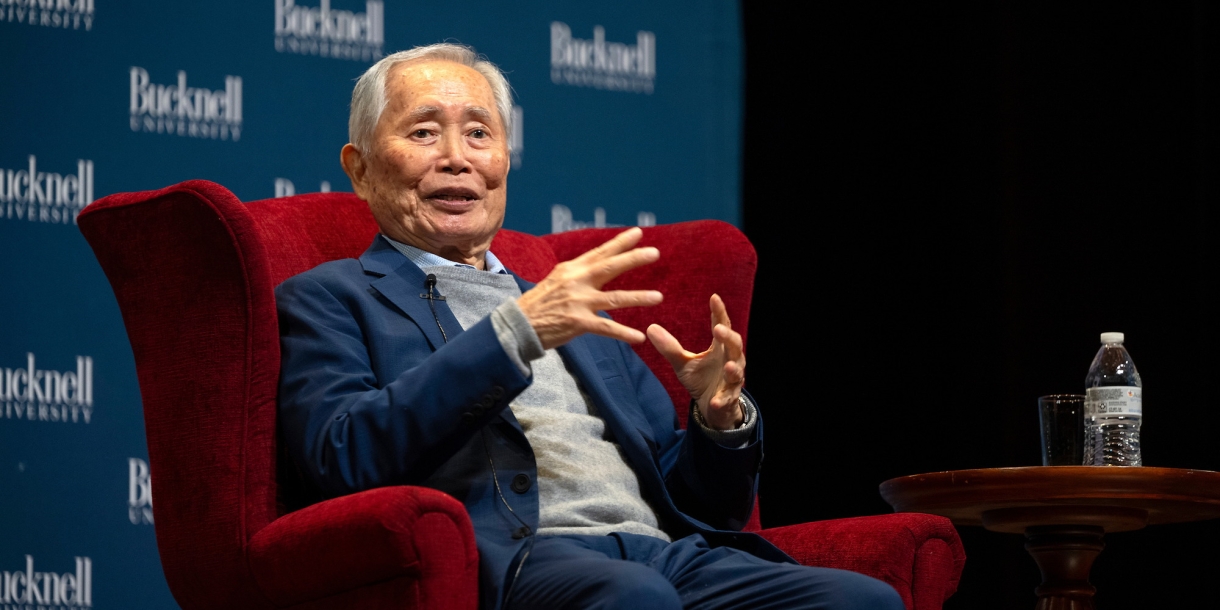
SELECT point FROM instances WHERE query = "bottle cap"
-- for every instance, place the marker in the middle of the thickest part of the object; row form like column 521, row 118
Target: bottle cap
column 1111, row 337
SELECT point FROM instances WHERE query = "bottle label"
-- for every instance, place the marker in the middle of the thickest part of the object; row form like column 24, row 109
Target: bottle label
column 1112, row 401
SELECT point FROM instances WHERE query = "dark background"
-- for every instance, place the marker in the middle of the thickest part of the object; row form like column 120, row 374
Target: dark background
column 949, row 205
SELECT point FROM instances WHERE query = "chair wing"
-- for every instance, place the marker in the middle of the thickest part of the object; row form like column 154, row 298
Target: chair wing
column 192, row 282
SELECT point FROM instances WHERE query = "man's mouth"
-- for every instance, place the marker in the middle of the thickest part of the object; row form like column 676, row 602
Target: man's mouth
column 453, row 195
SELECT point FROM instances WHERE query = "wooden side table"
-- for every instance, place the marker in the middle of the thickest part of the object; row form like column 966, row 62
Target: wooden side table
column 1063, row 511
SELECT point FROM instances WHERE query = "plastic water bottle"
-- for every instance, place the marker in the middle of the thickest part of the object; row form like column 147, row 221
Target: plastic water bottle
column 1113, row 406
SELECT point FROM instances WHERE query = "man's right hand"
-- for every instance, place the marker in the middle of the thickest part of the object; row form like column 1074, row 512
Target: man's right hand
column 565, row 303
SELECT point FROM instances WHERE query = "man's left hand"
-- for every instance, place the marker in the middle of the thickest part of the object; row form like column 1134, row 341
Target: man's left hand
column 715, row 376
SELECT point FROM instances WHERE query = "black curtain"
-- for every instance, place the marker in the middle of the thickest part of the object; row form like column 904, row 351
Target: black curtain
column 949, row 205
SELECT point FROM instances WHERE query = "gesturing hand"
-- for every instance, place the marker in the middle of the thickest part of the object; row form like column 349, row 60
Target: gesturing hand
column 565, row 303
column 715, row 376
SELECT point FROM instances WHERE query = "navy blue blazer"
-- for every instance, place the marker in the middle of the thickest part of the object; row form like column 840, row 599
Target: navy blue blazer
column 372, row 395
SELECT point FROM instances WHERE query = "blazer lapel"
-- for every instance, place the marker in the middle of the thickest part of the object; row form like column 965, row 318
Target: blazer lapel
column 402, row 283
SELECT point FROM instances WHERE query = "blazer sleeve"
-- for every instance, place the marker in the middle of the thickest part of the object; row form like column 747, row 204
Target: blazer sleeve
column 706, row 480
column 350, row 431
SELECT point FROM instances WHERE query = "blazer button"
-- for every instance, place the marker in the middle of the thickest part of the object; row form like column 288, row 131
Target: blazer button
column 497, row 392
column 521, row 483
column 521, row 532
column 468, row 418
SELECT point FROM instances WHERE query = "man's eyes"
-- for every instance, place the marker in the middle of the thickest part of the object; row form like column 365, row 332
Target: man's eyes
column 421, row 133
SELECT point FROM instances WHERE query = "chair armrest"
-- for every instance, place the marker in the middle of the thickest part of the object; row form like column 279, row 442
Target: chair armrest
column 367, row 538
column 919, row 555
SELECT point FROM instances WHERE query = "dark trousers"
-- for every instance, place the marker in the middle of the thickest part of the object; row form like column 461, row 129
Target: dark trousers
column 644, row 573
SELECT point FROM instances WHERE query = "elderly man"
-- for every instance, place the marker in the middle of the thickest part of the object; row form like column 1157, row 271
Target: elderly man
column 426, row 362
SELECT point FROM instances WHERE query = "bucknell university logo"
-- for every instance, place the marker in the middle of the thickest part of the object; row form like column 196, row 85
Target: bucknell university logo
column 65, row 14
column 36, row 394
column 191, row 112
column 27, row 589
column 33, row 196
column 562, row 219
column 599, row 64
column 139, row 493
column 306, row 30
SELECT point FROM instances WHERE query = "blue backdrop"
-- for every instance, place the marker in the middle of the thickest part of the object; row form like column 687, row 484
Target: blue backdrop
column 629, row 114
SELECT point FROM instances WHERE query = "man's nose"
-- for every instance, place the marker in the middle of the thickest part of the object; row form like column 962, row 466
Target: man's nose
column 453, row 155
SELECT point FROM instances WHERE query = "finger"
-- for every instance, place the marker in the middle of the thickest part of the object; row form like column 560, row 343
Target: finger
column 617, row 299
column 668, row 346
column 720, row 314
column 731, row 340
column 609, row 328
column 603, row 271
column 732, row 378
column 619, row 243
column 734, row 374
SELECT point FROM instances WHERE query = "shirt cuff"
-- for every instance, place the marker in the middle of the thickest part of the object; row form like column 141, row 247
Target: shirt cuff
column 738, row 437
column 516, row 335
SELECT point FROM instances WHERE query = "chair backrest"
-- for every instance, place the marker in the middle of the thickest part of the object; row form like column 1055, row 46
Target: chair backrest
column 194, row 271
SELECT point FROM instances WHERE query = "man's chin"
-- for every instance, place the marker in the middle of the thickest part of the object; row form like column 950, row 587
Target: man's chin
column 461, row 234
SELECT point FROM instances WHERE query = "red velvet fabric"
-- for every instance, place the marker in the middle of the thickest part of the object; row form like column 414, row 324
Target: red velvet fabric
column 373, row 537
column 193, row 270
column 919, row 555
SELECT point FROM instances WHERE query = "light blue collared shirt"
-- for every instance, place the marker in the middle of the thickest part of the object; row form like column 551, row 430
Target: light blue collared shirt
column 423, row 258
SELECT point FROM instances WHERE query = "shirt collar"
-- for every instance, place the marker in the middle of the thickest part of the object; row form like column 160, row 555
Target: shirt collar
column 423, row 258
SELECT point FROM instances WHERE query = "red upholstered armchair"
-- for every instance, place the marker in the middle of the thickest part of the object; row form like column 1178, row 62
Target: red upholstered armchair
column 194, row 270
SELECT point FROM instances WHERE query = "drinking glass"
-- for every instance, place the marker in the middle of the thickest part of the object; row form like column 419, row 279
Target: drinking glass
column 1062, row 417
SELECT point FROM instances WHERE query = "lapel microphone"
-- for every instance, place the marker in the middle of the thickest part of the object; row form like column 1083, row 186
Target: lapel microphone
column 430, row 286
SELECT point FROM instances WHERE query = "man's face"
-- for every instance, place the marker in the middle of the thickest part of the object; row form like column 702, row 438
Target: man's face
column 435, row 175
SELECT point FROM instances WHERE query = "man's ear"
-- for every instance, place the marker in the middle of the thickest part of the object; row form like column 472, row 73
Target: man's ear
column 353, row 164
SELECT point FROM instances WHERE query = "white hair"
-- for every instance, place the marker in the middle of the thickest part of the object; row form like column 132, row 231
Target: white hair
column 369, row 100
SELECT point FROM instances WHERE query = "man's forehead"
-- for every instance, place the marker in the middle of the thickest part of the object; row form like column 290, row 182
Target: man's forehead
column 436, row 77
column 430, row 89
